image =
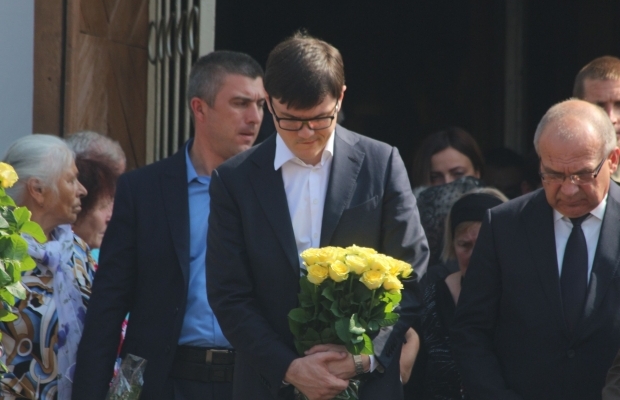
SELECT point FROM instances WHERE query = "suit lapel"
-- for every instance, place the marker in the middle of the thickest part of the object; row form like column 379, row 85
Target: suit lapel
column 538, row 219
column 607, row 255
column 176, row 204
column 269, row 189
column 346, row 165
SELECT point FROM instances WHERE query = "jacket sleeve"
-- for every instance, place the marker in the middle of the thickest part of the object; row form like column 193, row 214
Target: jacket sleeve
column 402, row 238
column 611, row 391
column 109, row 302
column 230, row 289
column 475, row 321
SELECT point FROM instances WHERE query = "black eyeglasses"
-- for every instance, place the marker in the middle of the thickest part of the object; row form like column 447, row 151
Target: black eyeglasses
column 585, row 178
column 295, row 124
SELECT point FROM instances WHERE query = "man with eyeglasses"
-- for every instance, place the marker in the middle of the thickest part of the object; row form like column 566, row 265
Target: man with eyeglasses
column 537, row 317
column 312, row 184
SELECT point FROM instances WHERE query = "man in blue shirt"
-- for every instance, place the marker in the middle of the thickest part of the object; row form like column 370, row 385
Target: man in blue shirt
column 152, row 261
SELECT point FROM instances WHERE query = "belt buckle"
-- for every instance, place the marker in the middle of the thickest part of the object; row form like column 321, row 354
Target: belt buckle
column 209, row 357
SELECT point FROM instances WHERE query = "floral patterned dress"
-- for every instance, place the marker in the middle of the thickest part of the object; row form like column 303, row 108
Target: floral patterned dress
column 31, row 343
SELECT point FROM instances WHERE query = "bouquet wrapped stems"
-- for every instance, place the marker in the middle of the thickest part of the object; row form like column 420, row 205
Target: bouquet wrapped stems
column 347, row 295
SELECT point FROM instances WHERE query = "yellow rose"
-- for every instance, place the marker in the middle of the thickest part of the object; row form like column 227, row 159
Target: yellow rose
column 357, row 263
column 372, row 279
column 8, row 176
column 406, row 270
column 381, row 263
column 323, row 255
column 361, row 251
column 338, row 271
column 392, row 284
column 317, row 273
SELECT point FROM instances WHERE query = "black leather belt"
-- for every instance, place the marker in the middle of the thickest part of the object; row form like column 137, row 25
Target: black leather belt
column 203, row 364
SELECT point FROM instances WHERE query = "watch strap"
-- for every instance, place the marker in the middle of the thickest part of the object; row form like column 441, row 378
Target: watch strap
column 359, row 366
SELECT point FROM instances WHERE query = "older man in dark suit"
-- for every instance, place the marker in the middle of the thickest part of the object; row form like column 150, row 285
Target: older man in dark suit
column 312, row 184
column 153, row 254
column 538, row 316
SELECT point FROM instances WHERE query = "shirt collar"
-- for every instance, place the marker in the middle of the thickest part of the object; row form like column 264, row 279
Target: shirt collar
column 284, row 154
column 598, row 212
column 192, row 175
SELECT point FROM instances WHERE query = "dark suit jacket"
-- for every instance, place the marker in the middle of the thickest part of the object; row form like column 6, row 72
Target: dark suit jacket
column 252, row 262
column 144, row 266
column 509, row 335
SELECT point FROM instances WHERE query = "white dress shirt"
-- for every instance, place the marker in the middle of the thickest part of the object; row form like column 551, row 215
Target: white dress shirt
column 591, row 229
column 306, row 186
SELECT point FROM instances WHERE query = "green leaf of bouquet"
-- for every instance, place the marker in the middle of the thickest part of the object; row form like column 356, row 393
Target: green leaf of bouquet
column 19, row 248
column 306, row 286
column 328, row 293
column 27, row 264
column 7, row 316
column 17, row 290
column 5, row 278
column 325, row 316
column 355, row 327
column 389, row 320
column 356, row 348
column 8, row 215
column 295, row 327
column 6, row 200
column 373, row 325
column 336, row 310
column 33, row 229
column 342, row 330
column 299, row 315
column 328, row 336
column 312, row 335
column 6, row 296
column 393, row 298
column 368, row 346
column 22, row 215
column 3, row 223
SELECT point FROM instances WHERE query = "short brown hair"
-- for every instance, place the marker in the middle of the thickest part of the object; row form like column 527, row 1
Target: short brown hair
column 302, row 70
column 600, row 69
column 99, row 179
column 454, row 137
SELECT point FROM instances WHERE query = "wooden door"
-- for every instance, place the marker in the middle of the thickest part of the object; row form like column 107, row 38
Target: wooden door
column 90, row 70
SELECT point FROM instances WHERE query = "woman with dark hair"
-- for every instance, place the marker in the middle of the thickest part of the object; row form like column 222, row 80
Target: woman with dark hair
column 441, row 378
column 446, row 156
column 99, row 179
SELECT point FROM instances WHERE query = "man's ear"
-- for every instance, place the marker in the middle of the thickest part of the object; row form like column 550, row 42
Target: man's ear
column 268, row 102
column 36, row 190
column 199, row 108
column 614, row 157
column 344, row 87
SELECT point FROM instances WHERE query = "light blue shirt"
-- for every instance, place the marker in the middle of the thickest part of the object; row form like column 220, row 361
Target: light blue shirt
column 200, row 327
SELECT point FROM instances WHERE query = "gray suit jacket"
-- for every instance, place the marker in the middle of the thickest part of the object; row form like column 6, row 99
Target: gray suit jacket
column 252, row 262
column 509, row 335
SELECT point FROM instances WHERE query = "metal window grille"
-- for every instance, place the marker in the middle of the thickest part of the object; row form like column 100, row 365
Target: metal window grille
column 179, row 32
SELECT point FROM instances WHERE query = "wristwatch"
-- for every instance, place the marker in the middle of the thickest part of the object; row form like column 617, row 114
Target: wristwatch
column 359, row 366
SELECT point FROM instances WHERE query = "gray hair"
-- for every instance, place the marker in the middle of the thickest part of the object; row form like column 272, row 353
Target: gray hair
column 590, row 113
column 448, row 253
column 42, row 157
column 208, row 73
column 93, row 145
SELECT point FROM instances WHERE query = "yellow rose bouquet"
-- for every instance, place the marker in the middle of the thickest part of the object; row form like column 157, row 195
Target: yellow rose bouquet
column 347, row 295
column 14, row 258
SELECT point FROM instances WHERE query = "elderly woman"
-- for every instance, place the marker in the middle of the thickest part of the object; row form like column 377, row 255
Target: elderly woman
column 442, row 380
column 41, row 345
column 99, row 179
